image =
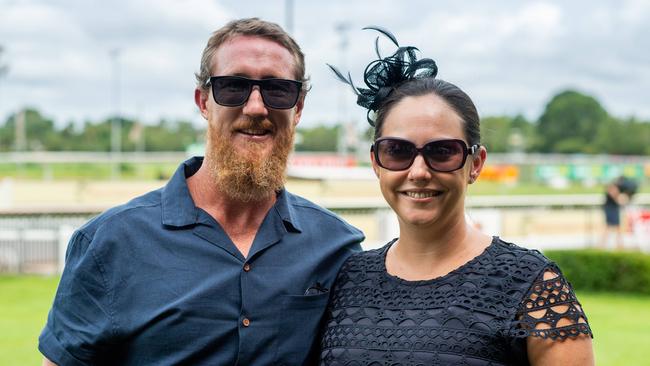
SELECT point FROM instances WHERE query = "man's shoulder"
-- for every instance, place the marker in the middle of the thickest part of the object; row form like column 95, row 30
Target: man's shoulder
column 302, row 202
column 311, row 213
column 116, row 217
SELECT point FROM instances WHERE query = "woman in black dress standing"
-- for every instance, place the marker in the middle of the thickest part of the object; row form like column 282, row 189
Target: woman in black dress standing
column 443, row 293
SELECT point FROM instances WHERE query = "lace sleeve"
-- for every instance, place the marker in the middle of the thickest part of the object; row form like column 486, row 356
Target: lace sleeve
column 551, row 309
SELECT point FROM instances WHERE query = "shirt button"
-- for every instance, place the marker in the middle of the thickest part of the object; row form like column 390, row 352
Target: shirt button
column 246, row 322
column 247, row 267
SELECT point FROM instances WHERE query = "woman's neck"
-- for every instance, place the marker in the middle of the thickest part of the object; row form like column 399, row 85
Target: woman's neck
column 423, row 253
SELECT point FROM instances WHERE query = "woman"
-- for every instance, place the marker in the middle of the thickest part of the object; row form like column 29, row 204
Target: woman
column 443, row 293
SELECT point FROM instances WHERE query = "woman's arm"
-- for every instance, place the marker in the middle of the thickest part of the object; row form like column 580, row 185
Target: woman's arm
column 567, row 352
column 559, row 333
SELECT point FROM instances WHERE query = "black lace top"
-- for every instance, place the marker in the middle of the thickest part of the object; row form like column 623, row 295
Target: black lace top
column 478, row 314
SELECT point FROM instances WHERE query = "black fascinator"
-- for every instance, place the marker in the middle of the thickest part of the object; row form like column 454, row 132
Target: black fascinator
column 383, row 75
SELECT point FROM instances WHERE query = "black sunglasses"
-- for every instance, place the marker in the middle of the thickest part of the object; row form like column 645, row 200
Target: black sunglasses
column 233, row 91
column 440, row 155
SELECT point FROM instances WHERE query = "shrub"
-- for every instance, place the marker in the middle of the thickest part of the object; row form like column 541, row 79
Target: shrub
column 599, row 270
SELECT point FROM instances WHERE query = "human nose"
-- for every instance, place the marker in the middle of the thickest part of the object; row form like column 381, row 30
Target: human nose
column 255, row 104
column 419, row 169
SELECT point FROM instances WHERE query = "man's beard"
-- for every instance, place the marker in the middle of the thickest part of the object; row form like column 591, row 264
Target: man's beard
column 251, row 175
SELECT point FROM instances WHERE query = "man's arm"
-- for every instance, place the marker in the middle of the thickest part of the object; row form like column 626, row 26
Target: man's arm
column 47, row 362
column 78, row 321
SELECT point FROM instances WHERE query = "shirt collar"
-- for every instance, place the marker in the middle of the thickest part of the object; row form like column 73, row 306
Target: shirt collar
column 287, row 212
column 178, row 208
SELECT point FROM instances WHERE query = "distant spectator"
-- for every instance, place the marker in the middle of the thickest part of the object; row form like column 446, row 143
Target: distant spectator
column 617, row 194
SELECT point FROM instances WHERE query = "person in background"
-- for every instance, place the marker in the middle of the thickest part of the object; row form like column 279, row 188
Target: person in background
column 222, row 266
column 442, row 293
column 618, row 194
column 614, row 199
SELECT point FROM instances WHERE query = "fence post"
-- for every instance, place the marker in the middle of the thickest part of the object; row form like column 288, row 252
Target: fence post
column 6, row 192
column 65, row 233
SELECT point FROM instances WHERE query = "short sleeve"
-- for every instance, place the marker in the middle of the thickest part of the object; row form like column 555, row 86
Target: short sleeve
column 79, row 322
column 550, row 309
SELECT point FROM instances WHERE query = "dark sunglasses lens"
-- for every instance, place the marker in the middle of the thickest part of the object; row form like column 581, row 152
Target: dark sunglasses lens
column 445, row 155
column 231, row 91
column 395, row 154
column 280, row 94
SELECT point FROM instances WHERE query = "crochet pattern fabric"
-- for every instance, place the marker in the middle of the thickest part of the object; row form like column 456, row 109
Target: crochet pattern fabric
column 478, row 314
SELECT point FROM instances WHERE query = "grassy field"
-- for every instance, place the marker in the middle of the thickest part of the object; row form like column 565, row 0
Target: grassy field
column 621, row 326
column 499, row 188
column 83, row 171
column 157, row 171
column 24, row 303
column 620, row 323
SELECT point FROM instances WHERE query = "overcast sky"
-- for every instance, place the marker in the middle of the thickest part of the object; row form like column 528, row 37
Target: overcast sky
column 509, row 56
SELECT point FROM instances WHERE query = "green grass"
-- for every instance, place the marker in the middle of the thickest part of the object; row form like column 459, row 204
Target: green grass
column 621, row 326
column 94, row 171
column 24, row 303
column 147, row 171
column 500, row 188
column 620, row 322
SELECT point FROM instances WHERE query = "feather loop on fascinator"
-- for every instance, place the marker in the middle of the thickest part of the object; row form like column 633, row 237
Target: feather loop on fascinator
column 383, row 75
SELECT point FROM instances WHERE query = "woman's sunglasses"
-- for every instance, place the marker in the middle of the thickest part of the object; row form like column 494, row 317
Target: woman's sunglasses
column 233, row 91
column 439, row 155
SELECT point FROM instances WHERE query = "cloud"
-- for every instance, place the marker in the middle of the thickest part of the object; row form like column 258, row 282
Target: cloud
column 510, row 56
column 59, row 55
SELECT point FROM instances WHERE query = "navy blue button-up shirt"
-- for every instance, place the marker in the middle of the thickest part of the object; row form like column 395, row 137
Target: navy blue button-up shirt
column 158, row 281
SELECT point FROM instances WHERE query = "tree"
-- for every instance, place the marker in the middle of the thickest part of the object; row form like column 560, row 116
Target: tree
column 495, row 132
column 624, row 137
column 570, row 123
column 5, row 138
column 506, row 134
column 319, row 138
column 39, row 132
column 170, row 136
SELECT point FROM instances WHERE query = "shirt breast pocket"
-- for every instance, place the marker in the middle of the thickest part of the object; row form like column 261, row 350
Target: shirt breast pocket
column 299, row 327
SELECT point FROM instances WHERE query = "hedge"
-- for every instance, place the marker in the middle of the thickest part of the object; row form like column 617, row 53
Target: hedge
column 599, row 270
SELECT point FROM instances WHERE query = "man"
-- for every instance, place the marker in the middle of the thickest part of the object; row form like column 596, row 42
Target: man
column 222, row 266
column 617, row 194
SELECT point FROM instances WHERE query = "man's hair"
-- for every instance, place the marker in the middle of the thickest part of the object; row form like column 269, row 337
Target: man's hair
column 250, row 27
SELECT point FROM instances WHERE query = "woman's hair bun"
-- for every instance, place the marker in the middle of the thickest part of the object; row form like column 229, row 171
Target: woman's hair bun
column 385, row 74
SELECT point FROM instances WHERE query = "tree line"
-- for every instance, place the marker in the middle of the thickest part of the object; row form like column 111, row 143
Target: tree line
column 572, row 122
column 39, row 133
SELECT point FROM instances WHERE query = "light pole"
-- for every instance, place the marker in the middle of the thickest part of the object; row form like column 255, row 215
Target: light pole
column 4, row 69
column 342, row 143
column 116, row 125
column 288, row 15
column 20, row 140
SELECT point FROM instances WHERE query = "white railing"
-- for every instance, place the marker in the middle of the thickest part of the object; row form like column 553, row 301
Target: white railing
column 34, row 239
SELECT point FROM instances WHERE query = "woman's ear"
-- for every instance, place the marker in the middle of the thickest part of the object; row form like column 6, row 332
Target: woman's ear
column 375, row 167
column 478, row 161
